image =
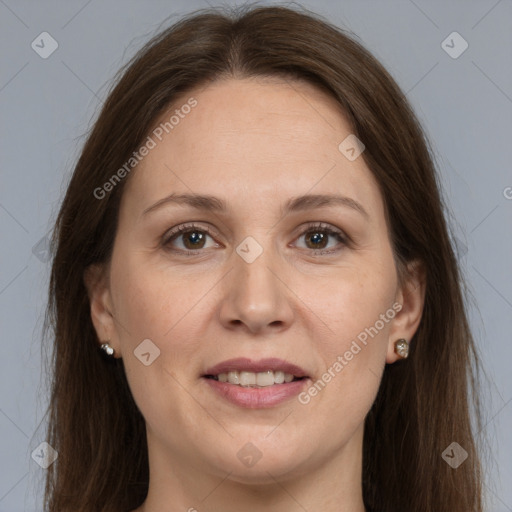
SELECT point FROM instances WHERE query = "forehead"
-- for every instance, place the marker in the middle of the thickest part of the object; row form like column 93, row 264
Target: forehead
column 256, row 111
column 259, row 137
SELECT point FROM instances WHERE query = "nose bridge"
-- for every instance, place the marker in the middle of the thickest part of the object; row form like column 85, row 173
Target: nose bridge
column 255, row 296
column 255, row 284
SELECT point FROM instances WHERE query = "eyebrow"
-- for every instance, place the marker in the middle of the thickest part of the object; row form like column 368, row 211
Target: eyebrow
column 295, row 204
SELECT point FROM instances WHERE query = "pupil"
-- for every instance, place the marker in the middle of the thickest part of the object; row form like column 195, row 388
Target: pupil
column 317, row 239
column 194, row 237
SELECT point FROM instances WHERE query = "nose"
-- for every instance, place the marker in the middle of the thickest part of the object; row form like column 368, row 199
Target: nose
column 256, row 297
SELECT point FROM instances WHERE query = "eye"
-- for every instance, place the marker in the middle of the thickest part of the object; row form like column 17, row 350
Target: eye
column 192, row 237
column 317, row 238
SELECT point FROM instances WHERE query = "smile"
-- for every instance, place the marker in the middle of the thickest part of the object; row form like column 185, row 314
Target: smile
column 256, row 384
column 252, row 379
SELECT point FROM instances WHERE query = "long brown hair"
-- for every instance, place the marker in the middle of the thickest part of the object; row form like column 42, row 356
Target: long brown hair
column 423, row 404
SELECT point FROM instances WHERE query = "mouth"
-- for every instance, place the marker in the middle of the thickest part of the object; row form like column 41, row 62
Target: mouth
column 256, row 384
column 246, row 372
column 255, row 380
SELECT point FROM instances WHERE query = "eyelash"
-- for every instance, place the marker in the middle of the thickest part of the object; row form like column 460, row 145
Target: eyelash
column 188, row 228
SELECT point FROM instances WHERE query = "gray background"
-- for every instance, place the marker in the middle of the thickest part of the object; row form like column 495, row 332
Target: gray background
column 465, row 104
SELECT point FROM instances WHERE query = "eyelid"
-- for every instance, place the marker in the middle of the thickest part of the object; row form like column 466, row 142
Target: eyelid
column 183, row 228
column 331, row 230
column 323, row 226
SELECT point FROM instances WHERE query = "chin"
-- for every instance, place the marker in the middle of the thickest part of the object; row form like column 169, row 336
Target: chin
column 255, row 460
column 263, row 472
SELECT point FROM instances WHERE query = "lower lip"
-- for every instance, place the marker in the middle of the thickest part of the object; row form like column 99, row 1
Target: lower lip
column 257, row 398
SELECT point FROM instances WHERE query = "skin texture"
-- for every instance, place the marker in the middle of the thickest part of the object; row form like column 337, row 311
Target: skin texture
column 253, row 143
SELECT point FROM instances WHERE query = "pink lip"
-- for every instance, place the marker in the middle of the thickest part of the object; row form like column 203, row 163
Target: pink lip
column 248, row 365
column 257, row 398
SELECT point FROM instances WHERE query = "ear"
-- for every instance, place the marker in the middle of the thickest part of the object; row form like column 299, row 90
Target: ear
column 96, row 281
column 411, row 296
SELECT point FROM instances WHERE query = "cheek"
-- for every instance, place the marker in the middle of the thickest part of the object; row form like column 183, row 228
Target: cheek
column 151, row 301
column 173, row 312
column 356, row 310
column 151, row 306
column 352, row 302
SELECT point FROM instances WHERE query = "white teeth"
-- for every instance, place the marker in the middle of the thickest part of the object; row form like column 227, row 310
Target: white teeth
column 278, row 377
column 233, row 378
column 252, row 379
column 265, row 378
column 247, row 379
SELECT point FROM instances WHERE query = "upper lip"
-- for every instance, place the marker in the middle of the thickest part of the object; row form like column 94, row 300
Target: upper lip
column 262, row 365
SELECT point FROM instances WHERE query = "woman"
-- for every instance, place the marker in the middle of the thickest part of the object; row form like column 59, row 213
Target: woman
column 255, row 300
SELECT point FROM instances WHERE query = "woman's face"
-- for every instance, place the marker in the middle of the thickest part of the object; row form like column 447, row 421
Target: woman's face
column 306, row 287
